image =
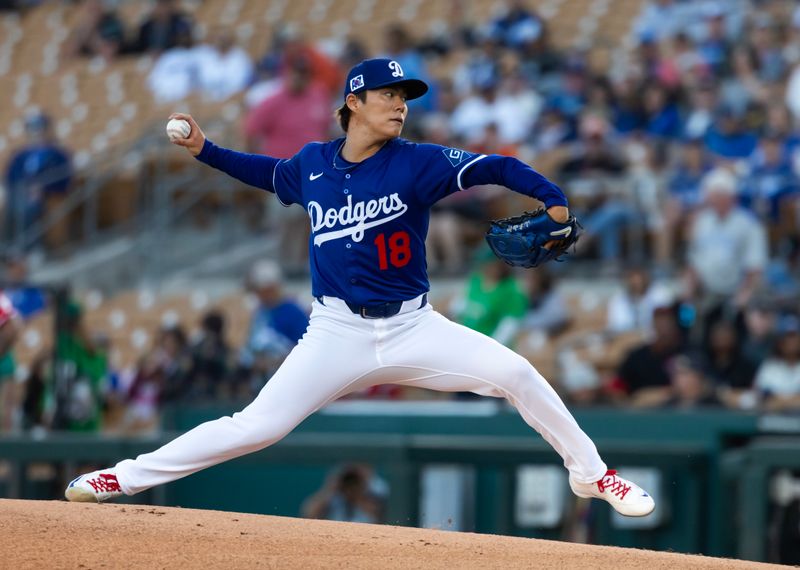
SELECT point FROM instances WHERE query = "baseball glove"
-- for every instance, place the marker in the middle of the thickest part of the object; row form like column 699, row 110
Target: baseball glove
column 520, row 240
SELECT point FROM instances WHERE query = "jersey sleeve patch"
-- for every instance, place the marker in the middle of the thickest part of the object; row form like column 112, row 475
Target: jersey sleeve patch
column 456, row 156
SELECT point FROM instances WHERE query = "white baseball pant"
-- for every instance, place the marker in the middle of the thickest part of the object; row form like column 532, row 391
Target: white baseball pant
column 342, row 353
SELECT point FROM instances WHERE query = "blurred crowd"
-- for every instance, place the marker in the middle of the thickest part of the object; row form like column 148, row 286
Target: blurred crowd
column 75, row 384
column 680, row 156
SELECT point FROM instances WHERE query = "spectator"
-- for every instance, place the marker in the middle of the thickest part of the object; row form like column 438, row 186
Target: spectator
column 476, row 112
column 593, row 162
column 778, row 378
column 351, row 494
column 84, row 368
column 759, row 319
column 659, row 20
column 772, row 184
column 9, row 329
column 517, row 110
column 547, row 309
column 276, row 326
column 579, row 381
column 684, row 180
column 491, row 143
column 162, row 376
column 631, row 308
column 400, row 47
column 569, row 97
column 223, row 69
column 684, row 196
column 517, row 25
column 690, row 388
column 744, row 88
column 683, row 56
column 36, row 404
column 27, row 300
column 266, row 82
column 174, row 73
column 628, row 112
column 779, row 123
column 656, row 70
column 715, row 48
column 454, row 32
column 494, row 302
column 98, row 32
column 793, row 92
column 643, row 188
column 700, row 114
column 353, row 52
column 323, row 68
column 269, row 68
column 663, row 120
column 298, row 113
column 728, row 250
column 38, row 177
column 600, row 100
column 480, row 68
column 727, row 137
column 594, row 154
column 644, row 374
column 164, row 29
column 538, row 58
column 791, row 49
column 551, row 131
column 211, row 360
column 768, row 53
column 729, row 366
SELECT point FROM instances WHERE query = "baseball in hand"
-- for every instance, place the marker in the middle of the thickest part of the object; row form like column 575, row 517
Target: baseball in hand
column 178, row 129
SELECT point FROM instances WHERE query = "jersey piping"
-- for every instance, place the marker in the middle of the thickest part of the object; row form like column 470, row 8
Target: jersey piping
column 467, row 165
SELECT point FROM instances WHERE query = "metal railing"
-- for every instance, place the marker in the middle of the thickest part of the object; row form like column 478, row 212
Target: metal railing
column 162, row 201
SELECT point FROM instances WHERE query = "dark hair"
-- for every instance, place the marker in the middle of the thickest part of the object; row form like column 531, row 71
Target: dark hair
column 177, row 333
column 343, row 113
column 213, row 322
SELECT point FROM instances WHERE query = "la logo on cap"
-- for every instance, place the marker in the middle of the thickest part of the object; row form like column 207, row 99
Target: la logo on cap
column 357, row 82
column 397, row 71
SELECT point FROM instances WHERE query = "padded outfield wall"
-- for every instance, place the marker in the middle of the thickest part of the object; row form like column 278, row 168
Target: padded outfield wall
column 476, row 466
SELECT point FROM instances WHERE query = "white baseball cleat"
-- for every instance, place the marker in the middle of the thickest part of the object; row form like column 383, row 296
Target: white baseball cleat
column 626, row 497
column 94, row 487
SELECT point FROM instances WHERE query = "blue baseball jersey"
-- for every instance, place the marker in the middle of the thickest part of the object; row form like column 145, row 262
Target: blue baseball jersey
column 369, row 219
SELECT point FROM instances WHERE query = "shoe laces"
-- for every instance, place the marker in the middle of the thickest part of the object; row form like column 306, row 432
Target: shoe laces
column 613, row 484
column 105, row 483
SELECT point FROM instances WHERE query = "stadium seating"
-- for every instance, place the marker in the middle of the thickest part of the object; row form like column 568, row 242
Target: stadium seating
column 98, row 105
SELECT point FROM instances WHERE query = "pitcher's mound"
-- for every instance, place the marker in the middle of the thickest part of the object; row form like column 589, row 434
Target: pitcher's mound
column 55, row 534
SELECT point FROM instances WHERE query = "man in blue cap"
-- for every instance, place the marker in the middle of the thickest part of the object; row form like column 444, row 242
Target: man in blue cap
column 368, row 196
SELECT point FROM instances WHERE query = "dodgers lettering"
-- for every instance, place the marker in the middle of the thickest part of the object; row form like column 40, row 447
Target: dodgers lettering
column 369, row 220
column 358, row 214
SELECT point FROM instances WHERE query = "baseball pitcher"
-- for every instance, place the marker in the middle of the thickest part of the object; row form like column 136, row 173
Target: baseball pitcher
column 368, row 197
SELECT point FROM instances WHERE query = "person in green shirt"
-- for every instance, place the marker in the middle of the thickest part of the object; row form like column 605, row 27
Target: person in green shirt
column 86, row 365
column 495, row 300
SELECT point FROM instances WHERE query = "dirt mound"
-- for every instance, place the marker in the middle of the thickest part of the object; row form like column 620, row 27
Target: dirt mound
column 54, row 534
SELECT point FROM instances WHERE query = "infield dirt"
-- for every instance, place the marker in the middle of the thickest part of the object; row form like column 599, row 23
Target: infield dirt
column 56, row 534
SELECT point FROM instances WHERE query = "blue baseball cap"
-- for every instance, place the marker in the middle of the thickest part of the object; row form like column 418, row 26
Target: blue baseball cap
column 382, row 72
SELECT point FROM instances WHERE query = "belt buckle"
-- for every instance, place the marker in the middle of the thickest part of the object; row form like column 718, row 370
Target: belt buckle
column 364, row 315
